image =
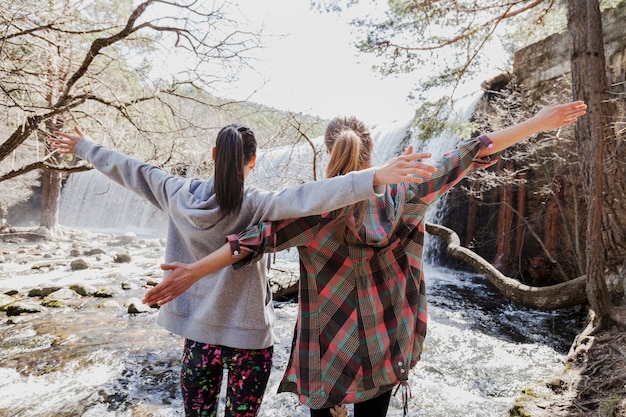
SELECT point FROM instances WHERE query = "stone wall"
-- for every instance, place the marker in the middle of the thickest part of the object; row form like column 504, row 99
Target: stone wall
column 550, row 58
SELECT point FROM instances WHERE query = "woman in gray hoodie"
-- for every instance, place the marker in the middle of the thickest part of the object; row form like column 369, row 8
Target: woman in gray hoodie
column 226, row 318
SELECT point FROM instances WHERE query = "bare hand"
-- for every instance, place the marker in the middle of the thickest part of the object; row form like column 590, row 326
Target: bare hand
column 65, row 143
column 559, row 115
column 176, row 283
column 405, row 168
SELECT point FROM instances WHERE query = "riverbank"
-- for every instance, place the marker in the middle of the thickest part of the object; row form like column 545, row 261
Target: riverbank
column 592, row 384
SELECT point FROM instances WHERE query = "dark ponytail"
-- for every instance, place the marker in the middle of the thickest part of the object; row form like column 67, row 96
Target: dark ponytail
column 234, row 147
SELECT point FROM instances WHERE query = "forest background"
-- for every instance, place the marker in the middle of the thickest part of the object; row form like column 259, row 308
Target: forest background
column 87, row 63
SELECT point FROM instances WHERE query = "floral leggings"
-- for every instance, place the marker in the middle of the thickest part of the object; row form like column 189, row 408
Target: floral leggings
column 201, row 379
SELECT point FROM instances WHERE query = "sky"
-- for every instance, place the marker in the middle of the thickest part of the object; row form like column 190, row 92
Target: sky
column 311, row 66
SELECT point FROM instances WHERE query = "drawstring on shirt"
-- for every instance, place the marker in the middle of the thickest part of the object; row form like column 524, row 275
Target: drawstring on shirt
column 269, row 254
column 406, row 394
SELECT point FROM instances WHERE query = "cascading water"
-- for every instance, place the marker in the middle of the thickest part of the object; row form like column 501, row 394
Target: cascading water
column 91, row 201
column 480, row 350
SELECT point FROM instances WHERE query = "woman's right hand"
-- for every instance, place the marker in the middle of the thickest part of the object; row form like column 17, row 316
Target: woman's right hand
column 65, row 143
column 405, row 168
column 182, row 276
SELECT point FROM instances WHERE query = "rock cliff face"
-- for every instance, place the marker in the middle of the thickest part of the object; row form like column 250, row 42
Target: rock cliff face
column 549, row 59
column 531, row 225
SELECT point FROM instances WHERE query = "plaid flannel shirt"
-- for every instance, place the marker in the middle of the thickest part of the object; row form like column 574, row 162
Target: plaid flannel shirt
column 362, row 305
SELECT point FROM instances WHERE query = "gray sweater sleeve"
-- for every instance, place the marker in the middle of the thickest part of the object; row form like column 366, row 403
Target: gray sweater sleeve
column 148, row 181
column 312, row 198
column 155, row 185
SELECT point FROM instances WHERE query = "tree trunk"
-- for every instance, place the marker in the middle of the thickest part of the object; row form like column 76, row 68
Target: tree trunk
column 50, row 198
column 552, row 226
column 521, row 214
column 51, row 181
column 505, row 220
column 472, row 218
column 590, row 84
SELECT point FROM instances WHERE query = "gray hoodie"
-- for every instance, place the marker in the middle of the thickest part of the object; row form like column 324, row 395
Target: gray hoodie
column 229, row 308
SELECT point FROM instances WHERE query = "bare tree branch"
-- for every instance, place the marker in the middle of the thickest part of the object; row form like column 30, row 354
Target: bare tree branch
column 42, row 165
column 563, row 295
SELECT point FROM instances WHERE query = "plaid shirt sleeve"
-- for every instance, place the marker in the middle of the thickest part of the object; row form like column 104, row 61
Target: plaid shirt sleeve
column 452, row 167
column 274, row 236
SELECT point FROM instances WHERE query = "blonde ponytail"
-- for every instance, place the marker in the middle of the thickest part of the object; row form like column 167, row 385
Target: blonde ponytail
column 350, row 146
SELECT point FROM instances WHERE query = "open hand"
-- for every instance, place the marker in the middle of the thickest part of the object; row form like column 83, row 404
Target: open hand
column 180, row 278
column 555, row 116
column 405, row 168
column 65, row 143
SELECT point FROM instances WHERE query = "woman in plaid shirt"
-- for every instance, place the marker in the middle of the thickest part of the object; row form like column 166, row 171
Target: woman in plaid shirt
column 362, row 303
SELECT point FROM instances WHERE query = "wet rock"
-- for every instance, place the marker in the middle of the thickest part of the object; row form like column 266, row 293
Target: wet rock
column 125, row 239
column 153, row 243
column 112, row 304
column 44, row 265
column 74, row 253
column 83, row 289
column 24, row 307
column 42, row 291
column 120, row 258
column 34, row 292
column 128, row 237
column 60, row 298
column 135, row 306
column 128, row 286
column 6, row 228
column 43, row 231
column 106, row 292
column 79, row 264
column 53, row 303
column 5, row 300
column 94, row 251
column 63, row 294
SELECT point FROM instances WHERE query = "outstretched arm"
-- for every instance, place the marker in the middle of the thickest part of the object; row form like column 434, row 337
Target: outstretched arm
column 551, row 117
column 406, row 167
column 147, row 180
column 182, row 276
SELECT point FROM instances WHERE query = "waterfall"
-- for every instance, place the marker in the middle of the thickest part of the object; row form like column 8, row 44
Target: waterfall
column 289, row 165
column 437, row 146
column 91, row 201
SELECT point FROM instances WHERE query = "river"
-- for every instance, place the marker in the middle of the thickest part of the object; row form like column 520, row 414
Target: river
column 480, row 351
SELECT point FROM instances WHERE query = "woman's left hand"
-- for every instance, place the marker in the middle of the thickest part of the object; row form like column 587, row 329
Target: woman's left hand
column 181, row 277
